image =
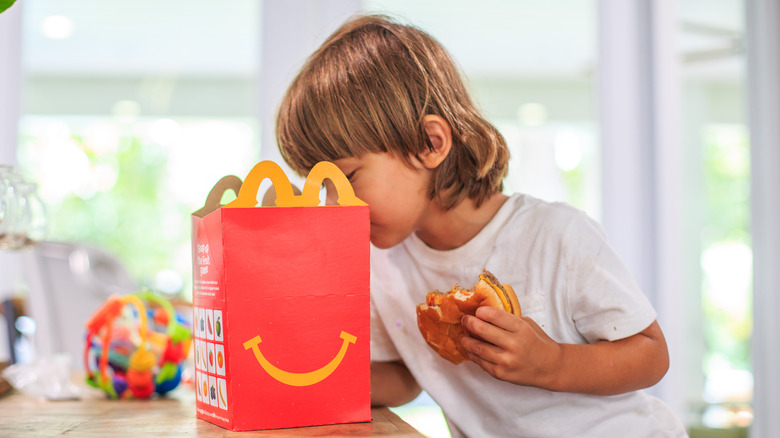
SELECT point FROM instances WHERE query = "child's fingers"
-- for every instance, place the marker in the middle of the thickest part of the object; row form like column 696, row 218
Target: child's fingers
column 508, row 347
column 498, row 318
column 486, row 365
column 482, row 330
column 482, row 353
column 495, row 360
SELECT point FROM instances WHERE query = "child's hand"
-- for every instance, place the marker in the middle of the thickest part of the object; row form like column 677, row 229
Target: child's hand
column 517, row 350
column 509, row 347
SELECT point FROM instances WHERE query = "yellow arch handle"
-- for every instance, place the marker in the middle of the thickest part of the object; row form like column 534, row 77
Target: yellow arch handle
column 247, row 196
column 300, row 379
column 310, row 196
column 311, row 188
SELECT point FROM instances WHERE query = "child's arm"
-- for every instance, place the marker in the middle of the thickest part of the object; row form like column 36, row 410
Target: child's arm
column 517, row 350
column 392, row 384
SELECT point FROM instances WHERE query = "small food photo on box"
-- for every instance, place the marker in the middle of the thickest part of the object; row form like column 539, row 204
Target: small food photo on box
column 281, row 304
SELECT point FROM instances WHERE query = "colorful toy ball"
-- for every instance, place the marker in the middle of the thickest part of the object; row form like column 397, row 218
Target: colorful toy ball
column 135, row 346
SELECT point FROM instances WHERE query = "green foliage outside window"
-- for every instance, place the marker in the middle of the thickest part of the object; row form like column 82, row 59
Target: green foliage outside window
column 120, row 193
column 726, row 255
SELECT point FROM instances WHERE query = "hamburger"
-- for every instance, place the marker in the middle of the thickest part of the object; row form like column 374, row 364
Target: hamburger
column 438, row 318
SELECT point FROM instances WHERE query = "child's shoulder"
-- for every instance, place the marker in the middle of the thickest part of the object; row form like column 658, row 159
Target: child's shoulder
column 557, row 220
column 556, row 226
column 549, row 212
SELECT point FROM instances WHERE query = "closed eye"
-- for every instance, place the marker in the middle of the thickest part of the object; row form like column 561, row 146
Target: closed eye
column 351, row 174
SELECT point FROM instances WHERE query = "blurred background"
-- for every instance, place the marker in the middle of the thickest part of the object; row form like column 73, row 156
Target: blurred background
column 126, row 113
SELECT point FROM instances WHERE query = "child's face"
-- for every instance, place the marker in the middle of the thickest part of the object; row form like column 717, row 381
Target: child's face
column 395, row 192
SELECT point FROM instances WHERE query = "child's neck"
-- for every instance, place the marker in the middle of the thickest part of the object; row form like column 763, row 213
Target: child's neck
column 450, row 229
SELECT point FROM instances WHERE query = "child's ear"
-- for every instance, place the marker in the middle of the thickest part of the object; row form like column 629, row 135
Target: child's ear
column 440, row 135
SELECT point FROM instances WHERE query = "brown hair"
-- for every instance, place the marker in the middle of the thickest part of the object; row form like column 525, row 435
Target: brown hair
column 367, row 89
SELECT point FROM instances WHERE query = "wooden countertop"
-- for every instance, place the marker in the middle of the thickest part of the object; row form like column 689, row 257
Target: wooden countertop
column 94, row 415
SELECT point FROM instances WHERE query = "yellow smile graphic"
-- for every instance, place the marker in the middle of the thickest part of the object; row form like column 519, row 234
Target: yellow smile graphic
column 300, row 379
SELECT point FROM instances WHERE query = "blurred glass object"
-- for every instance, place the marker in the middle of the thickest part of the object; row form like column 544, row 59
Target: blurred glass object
column 31, row 221
column 7, row 200
column 23, row 218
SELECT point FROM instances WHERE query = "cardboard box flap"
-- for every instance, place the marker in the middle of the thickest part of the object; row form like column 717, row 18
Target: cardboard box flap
column 229, row 182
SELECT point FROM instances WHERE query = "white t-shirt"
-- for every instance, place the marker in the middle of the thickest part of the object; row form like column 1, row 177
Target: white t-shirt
column 567, row 278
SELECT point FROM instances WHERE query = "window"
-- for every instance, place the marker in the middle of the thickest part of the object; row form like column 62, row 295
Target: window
column 132, row 111
column 726, row 263
column 718, row 194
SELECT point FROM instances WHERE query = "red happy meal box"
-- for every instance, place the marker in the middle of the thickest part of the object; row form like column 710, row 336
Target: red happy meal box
column 281, row 304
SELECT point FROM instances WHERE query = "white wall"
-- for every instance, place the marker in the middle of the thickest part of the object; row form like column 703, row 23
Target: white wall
column 291, row 31
column 10, row 81
column 10, row 110
column 763, row 28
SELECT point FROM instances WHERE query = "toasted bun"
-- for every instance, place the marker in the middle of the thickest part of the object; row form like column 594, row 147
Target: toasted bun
column 438, row 318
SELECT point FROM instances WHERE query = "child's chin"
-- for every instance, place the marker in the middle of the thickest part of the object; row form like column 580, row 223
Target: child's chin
column 383, row 242
column 382, row 245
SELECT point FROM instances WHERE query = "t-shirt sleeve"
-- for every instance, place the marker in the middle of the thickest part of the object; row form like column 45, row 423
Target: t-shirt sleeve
column 382, row 347
column 604, row 298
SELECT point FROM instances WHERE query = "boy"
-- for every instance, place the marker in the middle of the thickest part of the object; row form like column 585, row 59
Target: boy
column 385, row 103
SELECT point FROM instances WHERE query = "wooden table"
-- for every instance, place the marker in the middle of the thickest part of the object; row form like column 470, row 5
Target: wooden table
column 164, row 417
